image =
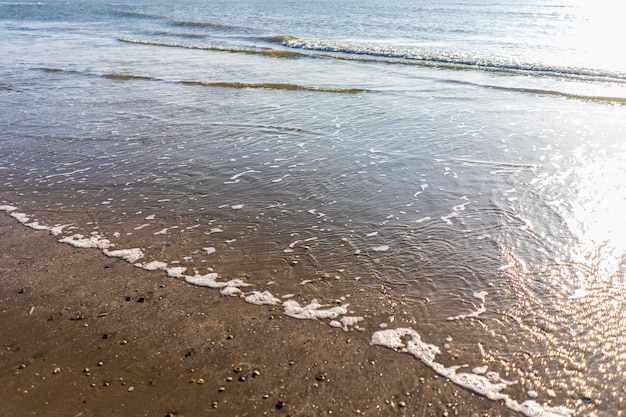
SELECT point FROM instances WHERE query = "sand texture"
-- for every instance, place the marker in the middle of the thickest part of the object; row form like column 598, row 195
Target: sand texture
column 86, row 335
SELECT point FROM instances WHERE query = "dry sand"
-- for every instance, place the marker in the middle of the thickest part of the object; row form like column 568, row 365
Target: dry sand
column 85, row 335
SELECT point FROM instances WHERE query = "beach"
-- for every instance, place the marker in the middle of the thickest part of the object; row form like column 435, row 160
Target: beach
column 239, row 208
column 87, row 335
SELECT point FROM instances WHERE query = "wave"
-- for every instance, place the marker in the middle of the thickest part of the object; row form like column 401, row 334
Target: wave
column 181, row 35
column 223, row 84
column 275, row 53
column 127, row 77
column 441, row 59
column 191, row 23
column 137, row 15
column 275, row 86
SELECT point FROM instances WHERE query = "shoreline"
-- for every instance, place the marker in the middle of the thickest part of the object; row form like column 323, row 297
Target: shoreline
column 84, row 335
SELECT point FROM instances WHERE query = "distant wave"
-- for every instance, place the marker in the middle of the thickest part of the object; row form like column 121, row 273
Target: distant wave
column 275, row 86
column 181, row 35
column 209, row 47
column 223, row 84
column 138, row 15
column 369, row 52
column 191, row 23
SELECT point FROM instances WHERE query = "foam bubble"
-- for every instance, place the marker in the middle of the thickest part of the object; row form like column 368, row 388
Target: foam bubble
column 20, row 217
column 208, row 280
column 262, row 298
column 381, row 248
column 490, row 386
column 57, row 230
column 37, row 226
column 313, row 310
column 79, row 241
column 8, row 208
column 230, row 291
column 209, row 250
column 176, row 272
column 154, row 265
column 346, row 322
column 129, row 255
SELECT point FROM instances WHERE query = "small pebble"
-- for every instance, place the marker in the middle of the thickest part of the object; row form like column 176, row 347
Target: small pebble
column 200, row 381
column 141, row 300
column 221, row 389
column 130, row 389
column 280, row 405
column 100, row 363
column 256, row 373
column 321, row 376
column 124, row 342
column 265, row 396
column 237, row 369
column 229, row 379
column 242, row 379
column 22, row 366
column 214, row 404
column 401, row 404
column 56, row 371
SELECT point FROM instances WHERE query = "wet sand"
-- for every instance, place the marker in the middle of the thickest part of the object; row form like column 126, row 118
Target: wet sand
column 86, row 335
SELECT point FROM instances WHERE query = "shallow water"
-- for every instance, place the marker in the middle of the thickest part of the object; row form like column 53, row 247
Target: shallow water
column 455, row 169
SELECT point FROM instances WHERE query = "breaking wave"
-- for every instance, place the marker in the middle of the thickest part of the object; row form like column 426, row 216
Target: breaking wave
column 424, row 57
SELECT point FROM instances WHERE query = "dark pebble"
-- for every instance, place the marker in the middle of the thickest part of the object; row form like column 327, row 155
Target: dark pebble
column 141, row 300
column 126, row 298
column 280, row 405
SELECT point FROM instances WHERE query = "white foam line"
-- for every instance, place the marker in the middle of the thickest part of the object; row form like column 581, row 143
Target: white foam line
column 346, row 322
column 313, row 310
column 58, row 229
column 176, row 272
column 79, row 241
column 481, row 295
column 129, row 255
column 37, row 226
column 407, row 340
column 152, row 266
column 402, row 339
column 20, row 217
column 262, row 298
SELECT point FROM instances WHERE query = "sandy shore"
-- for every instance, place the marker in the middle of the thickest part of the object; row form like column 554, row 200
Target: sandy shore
column 86, row 335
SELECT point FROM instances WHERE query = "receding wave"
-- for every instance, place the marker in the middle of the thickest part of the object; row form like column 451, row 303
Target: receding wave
column 138, row 15
column 209, row 47
column 126, row 77
column 603, row 99
column 274, row 86
column 181, row 35
column 224, row 84
column 191, row 23
column 368, row 52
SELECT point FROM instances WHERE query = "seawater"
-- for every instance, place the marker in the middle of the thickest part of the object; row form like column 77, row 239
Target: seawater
column 445, row 177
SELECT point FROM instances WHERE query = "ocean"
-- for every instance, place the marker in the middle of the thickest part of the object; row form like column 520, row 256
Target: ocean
column 445, row 177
